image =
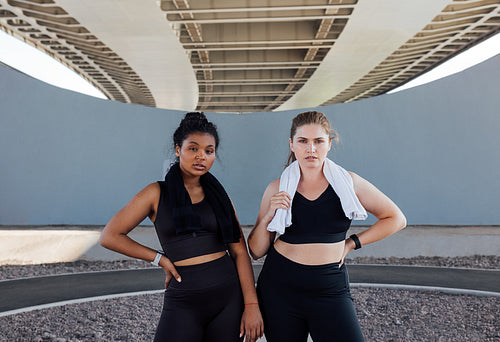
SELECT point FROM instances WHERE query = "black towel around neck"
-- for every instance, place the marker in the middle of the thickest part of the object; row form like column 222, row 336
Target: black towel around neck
column 186, row 219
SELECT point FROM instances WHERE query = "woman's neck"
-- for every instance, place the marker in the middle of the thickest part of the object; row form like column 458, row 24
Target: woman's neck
column 191, row 182
column 309, row 174
column 312, row 182
column 194, row 188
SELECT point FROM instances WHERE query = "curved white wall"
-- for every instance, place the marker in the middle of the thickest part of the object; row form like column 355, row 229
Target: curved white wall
column 66, row 158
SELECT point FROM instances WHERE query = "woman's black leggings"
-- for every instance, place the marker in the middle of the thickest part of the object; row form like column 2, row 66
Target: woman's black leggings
column 205, row 307
column 297, row 300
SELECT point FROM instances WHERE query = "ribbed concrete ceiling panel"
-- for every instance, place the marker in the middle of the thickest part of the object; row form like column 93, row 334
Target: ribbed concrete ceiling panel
column 245, row 56
column 269, row 42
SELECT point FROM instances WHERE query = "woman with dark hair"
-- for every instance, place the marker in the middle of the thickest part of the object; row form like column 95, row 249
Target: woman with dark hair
column 212, row 297
column 303, row 287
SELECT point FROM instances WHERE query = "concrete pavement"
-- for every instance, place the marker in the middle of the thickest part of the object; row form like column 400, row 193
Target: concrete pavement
column 46, row 244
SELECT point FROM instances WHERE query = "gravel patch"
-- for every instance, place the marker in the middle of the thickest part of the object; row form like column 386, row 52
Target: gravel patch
column 23, row 271
column 385, row 315
column 401, row 315
column 121, row 319
column 474, row 261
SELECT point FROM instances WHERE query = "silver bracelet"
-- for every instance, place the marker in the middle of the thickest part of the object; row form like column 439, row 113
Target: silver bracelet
column 157, row 259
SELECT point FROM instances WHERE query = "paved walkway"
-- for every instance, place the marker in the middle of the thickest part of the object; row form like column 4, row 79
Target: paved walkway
column 21, row 293
column 81, row 242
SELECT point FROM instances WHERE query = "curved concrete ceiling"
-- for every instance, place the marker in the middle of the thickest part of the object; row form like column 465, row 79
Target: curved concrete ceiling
column 240, row 56
column 139, row 33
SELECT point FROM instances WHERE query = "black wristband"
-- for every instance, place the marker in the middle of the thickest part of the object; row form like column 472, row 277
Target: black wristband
column 355, row 238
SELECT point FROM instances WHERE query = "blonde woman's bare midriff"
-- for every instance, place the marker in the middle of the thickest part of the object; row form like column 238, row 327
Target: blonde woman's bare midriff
column 200, row 259
column 311, row 253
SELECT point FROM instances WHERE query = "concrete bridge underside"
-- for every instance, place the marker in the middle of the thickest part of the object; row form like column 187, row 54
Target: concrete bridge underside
column 249, row 56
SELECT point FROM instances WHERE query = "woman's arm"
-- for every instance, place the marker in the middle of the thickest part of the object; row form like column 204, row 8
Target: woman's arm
column 114, row 235
column 252, row 325
column 260, row 238
column 390, row 218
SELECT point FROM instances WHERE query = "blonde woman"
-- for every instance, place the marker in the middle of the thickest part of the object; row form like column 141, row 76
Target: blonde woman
column 303, row 287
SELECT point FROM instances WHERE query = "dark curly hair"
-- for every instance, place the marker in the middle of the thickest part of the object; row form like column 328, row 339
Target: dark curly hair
column 194, row 122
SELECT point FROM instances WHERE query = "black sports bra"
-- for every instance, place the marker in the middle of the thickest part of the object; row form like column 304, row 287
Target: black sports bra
column 319, row 221
column 189, row 245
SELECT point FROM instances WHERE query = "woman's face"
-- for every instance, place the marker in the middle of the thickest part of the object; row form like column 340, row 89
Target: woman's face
column 197, row 154
column 310, row 145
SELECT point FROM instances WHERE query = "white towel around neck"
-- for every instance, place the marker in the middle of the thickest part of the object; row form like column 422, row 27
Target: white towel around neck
column 339, row 179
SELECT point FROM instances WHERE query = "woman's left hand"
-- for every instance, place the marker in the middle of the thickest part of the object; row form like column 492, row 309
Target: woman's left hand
column 251, row 325
column 348, row 246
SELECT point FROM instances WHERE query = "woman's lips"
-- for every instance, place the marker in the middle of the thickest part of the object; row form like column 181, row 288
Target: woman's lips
column 200, row 167
column 311, row 158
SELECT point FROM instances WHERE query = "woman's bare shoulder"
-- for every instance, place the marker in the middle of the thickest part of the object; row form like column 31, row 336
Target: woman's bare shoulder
column 273, row 186
column 150, row 193
column 153, row 187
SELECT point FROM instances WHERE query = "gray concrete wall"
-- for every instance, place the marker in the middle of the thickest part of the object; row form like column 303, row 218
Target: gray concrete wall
column 67, row 158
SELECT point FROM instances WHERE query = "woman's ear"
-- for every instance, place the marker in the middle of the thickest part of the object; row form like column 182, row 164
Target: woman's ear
column 177, row 150
column 330, row 144
column 291, row 145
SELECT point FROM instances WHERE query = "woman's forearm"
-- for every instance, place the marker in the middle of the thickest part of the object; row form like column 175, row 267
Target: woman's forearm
column 251, row 321
column 382, row 229
column 245, row 273
column 123, row 244
column 260, row 239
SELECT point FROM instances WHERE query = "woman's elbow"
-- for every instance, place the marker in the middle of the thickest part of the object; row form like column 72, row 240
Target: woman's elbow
column 401, row 219
column 105, row 240
column 251, row 248
column 253, row 255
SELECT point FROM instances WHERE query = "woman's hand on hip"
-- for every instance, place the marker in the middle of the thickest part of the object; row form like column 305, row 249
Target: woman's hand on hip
column 348, row 246
column 169, row 269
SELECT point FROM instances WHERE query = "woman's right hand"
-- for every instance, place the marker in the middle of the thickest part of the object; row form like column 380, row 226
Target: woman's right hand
column 280, row 200
column 260, row 238
column 169, row 269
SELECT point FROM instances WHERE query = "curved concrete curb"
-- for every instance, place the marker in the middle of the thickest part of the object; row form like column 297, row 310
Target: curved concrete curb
column 448, row 290
column 70, row 288
column 353, row 285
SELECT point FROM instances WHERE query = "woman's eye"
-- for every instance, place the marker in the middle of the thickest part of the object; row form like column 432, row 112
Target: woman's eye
column 193, row 149
column 209, row 151
column 302, row 141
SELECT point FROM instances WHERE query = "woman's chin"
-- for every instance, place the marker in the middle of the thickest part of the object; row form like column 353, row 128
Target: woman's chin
column 311, row 163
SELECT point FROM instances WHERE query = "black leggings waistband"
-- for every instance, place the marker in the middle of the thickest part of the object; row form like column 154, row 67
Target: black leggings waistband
column 309, row 278
column 207, row 274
